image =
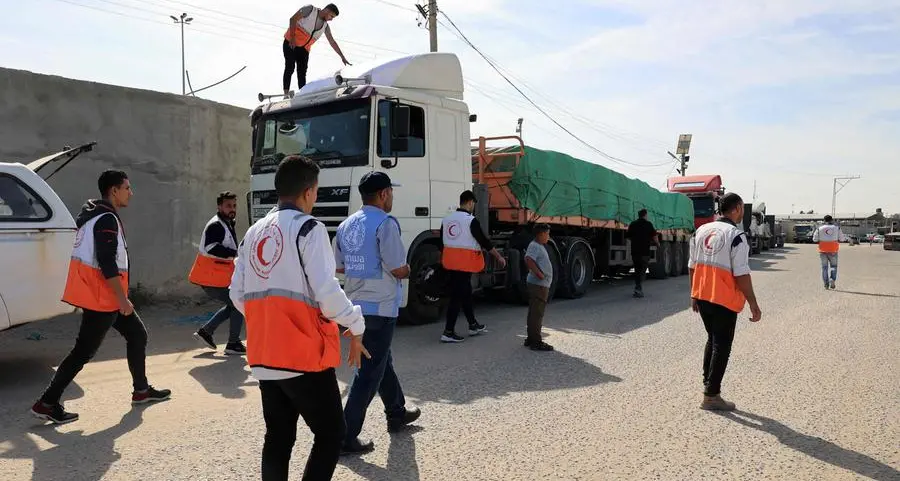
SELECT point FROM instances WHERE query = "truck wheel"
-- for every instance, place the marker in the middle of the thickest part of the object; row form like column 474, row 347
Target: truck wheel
column 578, row 272
column 663, row 265
column 423, row 304
column 686, row 257
column 557, row 270
column 677, row 255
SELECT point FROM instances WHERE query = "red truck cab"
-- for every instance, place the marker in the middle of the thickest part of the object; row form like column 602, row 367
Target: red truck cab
column 704, row 191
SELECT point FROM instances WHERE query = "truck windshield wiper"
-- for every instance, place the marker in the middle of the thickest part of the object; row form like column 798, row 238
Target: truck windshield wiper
column 313, row 152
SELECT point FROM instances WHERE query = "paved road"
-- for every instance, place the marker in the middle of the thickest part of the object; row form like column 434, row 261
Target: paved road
column 817, row 384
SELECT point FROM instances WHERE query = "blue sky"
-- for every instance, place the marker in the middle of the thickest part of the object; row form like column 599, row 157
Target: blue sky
column 787, row 94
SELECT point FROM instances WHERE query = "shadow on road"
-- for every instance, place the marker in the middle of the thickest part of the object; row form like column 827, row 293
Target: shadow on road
column 870, row 294
column 763, row 264
column 74, row 454
column 401, row 460
column 226, row 376
column 817, row 448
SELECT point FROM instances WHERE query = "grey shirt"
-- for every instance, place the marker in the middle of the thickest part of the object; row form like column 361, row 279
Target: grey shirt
column 383, row 294
column 538, row 253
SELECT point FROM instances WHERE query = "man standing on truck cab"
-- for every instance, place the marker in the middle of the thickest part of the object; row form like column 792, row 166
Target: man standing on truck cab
column 213, row 269
column 828, row 237
column 642, row 235
column 284, row 284
column 98, row 284
column 720, row 286
column 540, row 278
column 304, row 28
column 369, row 252
column 463, row 241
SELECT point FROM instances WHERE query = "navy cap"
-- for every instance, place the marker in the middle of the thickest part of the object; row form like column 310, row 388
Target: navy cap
column 373, row 182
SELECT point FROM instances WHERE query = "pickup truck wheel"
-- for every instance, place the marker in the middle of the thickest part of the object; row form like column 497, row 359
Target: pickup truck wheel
column 661, row 268
column 426, row 300
column 578, row 272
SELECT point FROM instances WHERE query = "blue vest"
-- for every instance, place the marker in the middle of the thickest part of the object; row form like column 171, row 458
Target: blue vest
column 367, row 284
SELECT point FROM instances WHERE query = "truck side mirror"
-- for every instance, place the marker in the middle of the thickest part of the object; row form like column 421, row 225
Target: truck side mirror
column 400, row 127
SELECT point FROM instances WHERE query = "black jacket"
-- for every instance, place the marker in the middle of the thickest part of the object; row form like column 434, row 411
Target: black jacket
column 215, row 236
column 106, row 234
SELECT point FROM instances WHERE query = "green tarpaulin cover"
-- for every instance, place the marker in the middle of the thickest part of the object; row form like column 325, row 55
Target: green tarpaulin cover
column 555, row 184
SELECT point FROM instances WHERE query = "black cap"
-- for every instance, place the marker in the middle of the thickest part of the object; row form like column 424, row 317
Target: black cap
column 373, row 182
column 466, row 196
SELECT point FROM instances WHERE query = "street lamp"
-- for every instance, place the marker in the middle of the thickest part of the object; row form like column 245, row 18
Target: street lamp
column 182, row 19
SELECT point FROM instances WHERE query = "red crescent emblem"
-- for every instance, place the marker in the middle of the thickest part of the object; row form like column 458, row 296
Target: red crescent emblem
column 259, row 251
column 450, row 230
column 708, row 240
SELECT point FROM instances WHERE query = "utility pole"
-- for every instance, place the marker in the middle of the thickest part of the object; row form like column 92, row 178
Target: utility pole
column 754, row 191
column 842, row 182
column 182, row 20
column 430, row 13
column 683, row 148
column 519, row 128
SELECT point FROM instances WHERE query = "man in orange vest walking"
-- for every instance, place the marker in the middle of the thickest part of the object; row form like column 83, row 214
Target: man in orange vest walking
column 720, row 286
column 284, row 284
column 463, row 240
column 213, row 269
column 828, row 237
column 304, row 29
column 98, row 284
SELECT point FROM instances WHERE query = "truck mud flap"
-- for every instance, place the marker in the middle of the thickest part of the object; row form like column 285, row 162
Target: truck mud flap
column 513, row 267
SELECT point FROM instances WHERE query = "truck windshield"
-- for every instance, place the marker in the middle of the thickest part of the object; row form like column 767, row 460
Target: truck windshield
column 704, row 207
column 334, row 135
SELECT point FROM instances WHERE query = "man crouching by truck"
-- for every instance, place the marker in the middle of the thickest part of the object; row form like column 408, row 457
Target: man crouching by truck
column 98, row 284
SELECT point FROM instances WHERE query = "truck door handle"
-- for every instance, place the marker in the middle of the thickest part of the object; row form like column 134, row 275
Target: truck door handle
column 421, row 211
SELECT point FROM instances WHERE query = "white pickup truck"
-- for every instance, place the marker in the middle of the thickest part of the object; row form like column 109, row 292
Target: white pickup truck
column 36, row 235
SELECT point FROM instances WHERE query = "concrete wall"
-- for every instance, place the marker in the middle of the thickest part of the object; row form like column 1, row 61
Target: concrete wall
column 179, row 152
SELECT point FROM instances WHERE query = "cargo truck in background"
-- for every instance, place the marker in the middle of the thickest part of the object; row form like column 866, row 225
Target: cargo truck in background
column 407, row 117
column 704, row 192
column 760, row 230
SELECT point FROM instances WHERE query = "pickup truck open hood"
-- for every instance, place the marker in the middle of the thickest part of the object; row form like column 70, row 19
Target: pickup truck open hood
column 69, row 154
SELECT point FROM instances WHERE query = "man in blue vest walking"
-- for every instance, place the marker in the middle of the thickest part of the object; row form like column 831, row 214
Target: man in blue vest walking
column 368, row 250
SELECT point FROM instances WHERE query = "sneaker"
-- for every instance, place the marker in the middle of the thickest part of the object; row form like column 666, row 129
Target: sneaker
column 541, row 346
column 832, row 285
column 205, row 338
column 716, row 403
column 398, row 423
column 476, row 329
column 356, row 446
column 150, row 395
column 638, row 294
column 235, row 349
column 527, row 342
column 451, row 337
column 55, row 414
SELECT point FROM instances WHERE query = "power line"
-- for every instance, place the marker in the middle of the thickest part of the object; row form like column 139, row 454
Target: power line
column 540, row 109
column 396, row 5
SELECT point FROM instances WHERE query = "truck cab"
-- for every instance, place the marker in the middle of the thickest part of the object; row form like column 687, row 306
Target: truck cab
column 405, row 117
column 704, row 191
column 36, row 232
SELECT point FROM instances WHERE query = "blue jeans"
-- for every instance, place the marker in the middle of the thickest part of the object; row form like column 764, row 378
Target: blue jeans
column 374, row 375
column 829, row 262
column 227, row 312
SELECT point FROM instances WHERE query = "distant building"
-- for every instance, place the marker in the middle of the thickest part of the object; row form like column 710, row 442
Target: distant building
column 851, row 223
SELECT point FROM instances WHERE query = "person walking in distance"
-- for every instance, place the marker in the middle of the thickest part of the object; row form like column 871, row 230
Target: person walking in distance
column 642, row 235
column 463, row 240
column 720, row 286
column 212, row 271
column 540, row 278
column 284, row 285
column 828, row 236
column 98, row 284
column 369, row 252
column 304, row 29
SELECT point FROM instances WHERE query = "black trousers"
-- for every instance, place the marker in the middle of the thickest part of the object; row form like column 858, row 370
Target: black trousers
column 640, row 262
column 314, row 396
column 720, row 323
column 460, row 297
column 294, row 57
column 94, row 326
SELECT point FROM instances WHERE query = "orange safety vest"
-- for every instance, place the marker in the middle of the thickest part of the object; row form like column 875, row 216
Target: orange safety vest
column 86, row 285
column 285, row 327
column 829, row 239
column 714, row 270
column 461, row 250
column 209, row 270
column 305, row 31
